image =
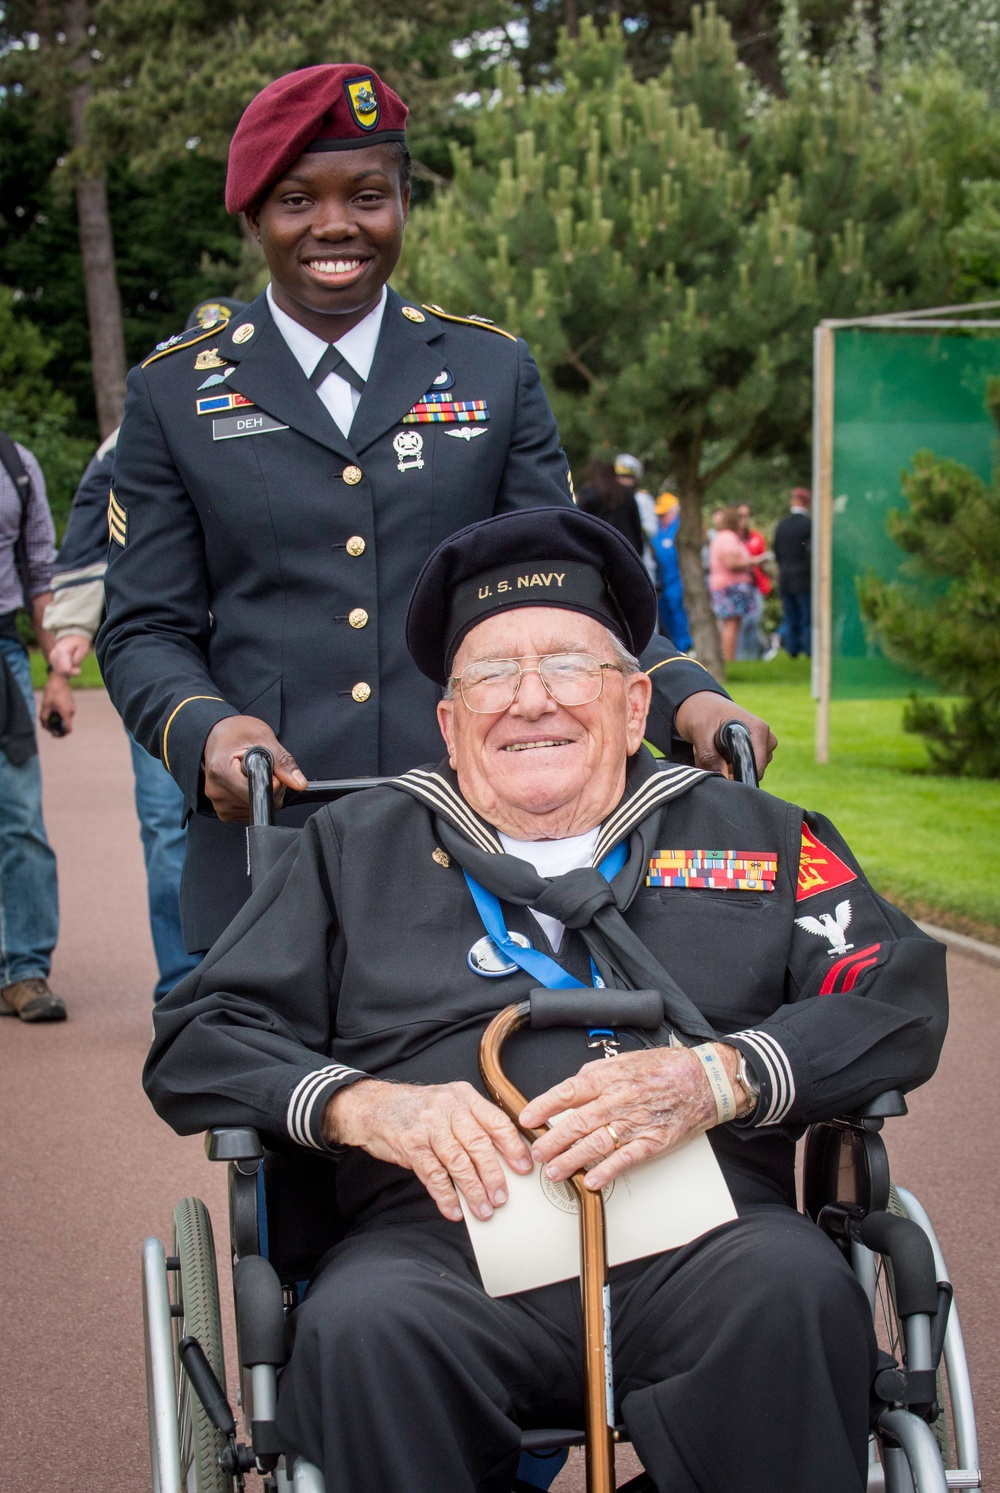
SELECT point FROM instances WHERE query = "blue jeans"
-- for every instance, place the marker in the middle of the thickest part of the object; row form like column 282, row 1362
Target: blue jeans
column 796, row 623
column 29, row 896
column 160, row 806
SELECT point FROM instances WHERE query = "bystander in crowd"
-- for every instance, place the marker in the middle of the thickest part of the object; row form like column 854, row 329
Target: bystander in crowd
column 629, row 472
column 793, row 552
column 602, row 494
column 753, row 642
column 673, row 617
column 29, row 899
column 730, row 579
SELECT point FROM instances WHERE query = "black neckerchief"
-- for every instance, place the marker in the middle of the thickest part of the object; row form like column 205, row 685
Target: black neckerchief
column 580, row 899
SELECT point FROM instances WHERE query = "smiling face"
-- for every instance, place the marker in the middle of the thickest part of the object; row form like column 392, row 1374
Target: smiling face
column 331, row 230
column 540, row 770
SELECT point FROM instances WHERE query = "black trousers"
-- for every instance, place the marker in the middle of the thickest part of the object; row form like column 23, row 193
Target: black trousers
column 742, row 1363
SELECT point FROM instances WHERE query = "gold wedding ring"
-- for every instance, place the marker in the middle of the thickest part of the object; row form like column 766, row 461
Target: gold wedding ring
column 614, row 1135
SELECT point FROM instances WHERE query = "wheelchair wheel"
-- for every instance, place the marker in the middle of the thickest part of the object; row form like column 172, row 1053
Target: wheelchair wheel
column 195, row 1308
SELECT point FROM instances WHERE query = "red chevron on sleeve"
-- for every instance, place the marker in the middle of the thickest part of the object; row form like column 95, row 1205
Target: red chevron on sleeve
column 845, row 974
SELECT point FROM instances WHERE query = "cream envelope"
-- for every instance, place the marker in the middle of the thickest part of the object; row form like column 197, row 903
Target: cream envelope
column 534, row 1239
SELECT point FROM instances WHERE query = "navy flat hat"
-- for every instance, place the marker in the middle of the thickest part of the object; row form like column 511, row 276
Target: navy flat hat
column 548, row 557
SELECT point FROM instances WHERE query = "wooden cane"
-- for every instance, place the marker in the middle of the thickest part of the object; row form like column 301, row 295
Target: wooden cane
column 594, row 1290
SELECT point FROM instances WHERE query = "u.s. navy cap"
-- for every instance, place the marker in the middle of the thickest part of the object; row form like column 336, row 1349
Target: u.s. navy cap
column 546, row 557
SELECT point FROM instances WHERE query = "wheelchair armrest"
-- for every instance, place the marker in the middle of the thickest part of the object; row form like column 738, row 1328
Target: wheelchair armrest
column 887, row 1106
column 233, row 1144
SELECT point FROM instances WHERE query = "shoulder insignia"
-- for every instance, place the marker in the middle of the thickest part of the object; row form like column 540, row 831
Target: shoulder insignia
column 470, row 321
column 181, row 341
column 117, row 521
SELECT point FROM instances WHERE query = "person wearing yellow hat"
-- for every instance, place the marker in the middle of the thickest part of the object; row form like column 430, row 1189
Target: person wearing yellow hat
column 673, row 618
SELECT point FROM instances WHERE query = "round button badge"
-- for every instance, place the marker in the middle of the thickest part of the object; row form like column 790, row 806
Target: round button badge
column 361, row 692
column 352, row 476
column 358, row 617
column 486, row 959
column 355, row 546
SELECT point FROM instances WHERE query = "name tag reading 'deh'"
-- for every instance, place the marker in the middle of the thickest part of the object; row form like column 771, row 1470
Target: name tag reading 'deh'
column 227, row 430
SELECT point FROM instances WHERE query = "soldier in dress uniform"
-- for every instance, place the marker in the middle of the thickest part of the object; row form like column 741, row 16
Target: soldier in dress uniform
column 279, row 482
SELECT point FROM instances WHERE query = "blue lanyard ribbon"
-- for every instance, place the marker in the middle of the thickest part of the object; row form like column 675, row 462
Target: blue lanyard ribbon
column 545, row 970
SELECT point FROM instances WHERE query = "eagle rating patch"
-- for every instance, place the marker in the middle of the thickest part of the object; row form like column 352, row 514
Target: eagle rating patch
column 819, row 869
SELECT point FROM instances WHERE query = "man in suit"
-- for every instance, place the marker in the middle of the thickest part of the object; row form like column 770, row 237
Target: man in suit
column 793, row 552
column 278, row 485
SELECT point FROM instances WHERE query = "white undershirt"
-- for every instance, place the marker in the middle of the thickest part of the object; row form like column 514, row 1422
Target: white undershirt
column 357, row 346
column 553, row 858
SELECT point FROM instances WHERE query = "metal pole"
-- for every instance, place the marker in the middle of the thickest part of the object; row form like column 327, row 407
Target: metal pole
column 822, row 545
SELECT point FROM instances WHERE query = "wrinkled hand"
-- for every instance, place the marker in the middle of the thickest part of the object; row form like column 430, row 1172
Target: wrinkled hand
column 655, row 1099
column 225, row 784
column 58, row 695
column 68, row 654
column 448, row 1135
column 698, row 719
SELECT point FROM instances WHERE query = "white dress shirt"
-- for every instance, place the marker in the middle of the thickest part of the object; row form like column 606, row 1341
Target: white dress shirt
column 357, row 346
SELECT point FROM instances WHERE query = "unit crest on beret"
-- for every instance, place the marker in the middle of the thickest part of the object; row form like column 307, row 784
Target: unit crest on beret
column 470, row 321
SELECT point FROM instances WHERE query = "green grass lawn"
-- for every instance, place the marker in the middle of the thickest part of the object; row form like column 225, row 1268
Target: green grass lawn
column 931, row 844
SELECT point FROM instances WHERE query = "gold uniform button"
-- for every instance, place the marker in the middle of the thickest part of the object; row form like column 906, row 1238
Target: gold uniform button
column 352, row 476
column 355, row 545
column 412, row 314
column 358, row 618
column 361, row 692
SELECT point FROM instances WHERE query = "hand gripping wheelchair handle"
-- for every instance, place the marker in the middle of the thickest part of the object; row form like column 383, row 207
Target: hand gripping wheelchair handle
column 587, row 1008
column 733, row 742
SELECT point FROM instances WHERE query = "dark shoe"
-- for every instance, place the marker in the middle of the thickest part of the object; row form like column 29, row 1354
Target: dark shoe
column 32, row 1000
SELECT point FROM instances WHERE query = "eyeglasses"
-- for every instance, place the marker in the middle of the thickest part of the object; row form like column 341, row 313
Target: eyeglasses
column 491, row 686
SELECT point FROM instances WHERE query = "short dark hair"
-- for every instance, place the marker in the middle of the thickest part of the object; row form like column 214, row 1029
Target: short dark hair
column 404, row 162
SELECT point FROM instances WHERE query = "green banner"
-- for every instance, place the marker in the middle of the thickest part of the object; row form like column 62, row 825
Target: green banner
column 895, row 393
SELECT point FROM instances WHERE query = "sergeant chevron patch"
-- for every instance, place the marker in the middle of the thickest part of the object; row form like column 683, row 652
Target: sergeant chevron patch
column 117, row 520
column 714, row 870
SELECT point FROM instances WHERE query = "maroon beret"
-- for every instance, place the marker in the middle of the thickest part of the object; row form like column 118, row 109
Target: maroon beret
column 335, row 106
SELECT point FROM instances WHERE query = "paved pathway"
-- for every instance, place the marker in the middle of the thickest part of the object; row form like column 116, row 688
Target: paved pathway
column 87, row 1170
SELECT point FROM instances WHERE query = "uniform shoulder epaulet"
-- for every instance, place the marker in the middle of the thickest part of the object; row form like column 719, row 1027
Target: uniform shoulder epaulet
column 471, row 321
column 182, row 340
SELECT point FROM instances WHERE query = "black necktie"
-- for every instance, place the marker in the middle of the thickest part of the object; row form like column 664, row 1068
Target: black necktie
column 333, row 361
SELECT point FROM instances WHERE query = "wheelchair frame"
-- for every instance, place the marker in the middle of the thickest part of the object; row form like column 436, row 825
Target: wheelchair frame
column 885, row 1233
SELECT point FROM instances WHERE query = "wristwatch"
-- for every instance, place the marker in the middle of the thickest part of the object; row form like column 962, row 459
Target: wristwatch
column 748, row 1084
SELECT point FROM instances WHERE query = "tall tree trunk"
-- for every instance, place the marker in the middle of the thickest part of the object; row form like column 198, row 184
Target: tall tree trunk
column 690, row 537
column 572, row 18
column 97, row 248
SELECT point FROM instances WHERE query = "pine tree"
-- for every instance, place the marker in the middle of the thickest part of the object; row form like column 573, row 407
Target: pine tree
column 667, row 247
column 952, row 530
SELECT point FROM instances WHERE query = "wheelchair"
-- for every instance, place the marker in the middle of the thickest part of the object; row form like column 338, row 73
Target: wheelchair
column 282, row 1220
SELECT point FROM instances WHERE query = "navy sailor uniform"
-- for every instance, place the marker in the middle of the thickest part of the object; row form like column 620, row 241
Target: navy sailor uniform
column 261, row 561
column 350, row 959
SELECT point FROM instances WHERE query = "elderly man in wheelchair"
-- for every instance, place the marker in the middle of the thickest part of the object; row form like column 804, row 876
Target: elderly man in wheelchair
column 343, row 1010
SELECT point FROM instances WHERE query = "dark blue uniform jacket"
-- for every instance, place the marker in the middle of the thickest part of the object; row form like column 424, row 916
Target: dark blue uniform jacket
column 249, row 574
column 351, row 958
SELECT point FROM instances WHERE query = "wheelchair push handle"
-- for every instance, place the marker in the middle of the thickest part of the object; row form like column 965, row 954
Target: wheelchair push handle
column 733, row 742
column 258, row 769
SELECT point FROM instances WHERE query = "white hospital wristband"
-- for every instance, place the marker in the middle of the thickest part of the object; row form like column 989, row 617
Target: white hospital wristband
column 722, row 1090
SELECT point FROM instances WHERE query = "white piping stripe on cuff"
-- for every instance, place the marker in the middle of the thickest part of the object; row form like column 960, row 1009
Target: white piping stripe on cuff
column 788, row 1077
column 304, row 1096
column 773, row 1056
column 751, row 1039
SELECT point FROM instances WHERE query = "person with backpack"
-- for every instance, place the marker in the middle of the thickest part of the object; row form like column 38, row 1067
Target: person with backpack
column 29, row 905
